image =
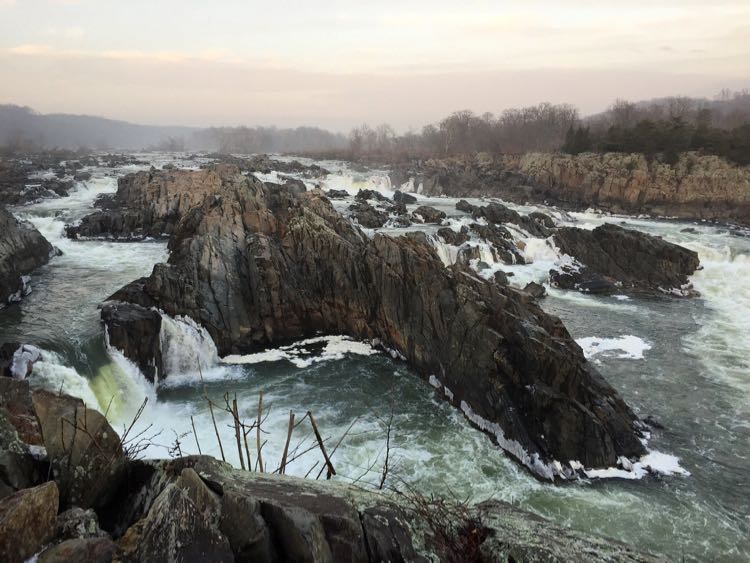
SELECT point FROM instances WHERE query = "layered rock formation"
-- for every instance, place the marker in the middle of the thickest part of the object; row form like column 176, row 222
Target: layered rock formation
column 22, row 250
column 259, row 266
column 148, row 204
column 200, row 509
column 697, row 187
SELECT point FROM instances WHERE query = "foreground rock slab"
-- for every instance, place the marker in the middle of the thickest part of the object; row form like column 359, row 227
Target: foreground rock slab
column 200, row 509
column 27, row 522
column 260, row 265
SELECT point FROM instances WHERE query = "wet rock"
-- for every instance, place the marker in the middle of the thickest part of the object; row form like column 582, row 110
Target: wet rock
column 22, row 250
column 535, row 290
column 90, row 550
column 265, row 164
column 428, row 214
column 501, row 277
column 365, row 195
column 690, row 230
column 612, row 258
column 337, row 194
column 257, row 268
column 456, row 238
column 504, row 248
column 135, row 330
column 27, row 522
column 367, row 216
column 402, row 197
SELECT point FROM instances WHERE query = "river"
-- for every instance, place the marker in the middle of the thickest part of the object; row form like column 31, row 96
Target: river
column 686, row 362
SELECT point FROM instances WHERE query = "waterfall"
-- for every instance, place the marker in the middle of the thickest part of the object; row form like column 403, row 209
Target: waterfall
column 186, row 346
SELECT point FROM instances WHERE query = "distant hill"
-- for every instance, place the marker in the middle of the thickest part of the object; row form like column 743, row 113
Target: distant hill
column 21, row 128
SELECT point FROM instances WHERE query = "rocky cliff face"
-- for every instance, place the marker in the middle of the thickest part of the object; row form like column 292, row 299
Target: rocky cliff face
column 199, row 509
column 148, row 204
column 260, row 265
column 697, row 187
column 22, row 250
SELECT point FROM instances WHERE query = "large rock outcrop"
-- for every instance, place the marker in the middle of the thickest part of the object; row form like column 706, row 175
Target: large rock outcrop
column 259, row 265
column 696, row 187
column 149, row 203
column 22, row 250
column 611, row 259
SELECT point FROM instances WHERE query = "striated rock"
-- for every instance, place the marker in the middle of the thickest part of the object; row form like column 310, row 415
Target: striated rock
column 258, row 267
column 456, row 238
column 364, row 195
column 150, row 204
column 611, row 259
column 504, row 249
column 22, row 250
column 367, row 216
column 27, row 522
column 84, row 451
column 262, row 517
column 337, row 194
column 428, row 214
column 174, row 530
column 696, row 187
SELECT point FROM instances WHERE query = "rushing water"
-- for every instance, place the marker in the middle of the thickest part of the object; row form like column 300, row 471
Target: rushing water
column 686, row 362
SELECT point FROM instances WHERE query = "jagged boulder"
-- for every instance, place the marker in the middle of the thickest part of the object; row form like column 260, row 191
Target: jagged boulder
column 611, row 259
column 257, row 267
column 403, row 197
column 27, row 522
column 22, row 250
column 427, row 214
column 84, row 451
column 367, row 216
column 151, row 203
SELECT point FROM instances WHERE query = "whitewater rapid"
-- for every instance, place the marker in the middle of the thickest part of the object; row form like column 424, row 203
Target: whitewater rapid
column 682, row 361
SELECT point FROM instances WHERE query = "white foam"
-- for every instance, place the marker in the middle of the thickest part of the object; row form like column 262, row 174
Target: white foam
column 52, row 374
column 336, row 348
column 186, row 347
column 625, row 347
column 653, row 462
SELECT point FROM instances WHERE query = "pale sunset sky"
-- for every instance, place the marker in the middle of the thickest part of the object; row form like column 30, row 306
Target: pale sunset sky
column 336, row 63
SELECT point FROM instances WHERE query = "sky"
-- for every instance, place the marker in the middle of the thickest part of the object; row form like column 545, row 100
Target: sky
column 340, row 63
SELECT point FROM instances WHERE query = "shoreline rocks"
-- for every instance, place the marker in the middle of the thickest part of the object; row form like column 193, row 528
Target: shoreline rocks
column 698, row 186
column 197, row 508
column 23, row 249
column 259, row 265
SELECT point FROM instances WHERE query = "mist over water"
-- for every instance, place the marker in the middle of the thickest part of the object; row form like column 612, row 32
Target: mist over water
column 686, row 362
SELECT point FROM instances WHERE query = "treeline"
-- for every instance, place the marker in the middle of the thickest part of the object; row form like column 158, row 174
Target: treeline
column 662, row 127
column 540, row 127
column 665, row 138
column 249, row 140
column 668, row 127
